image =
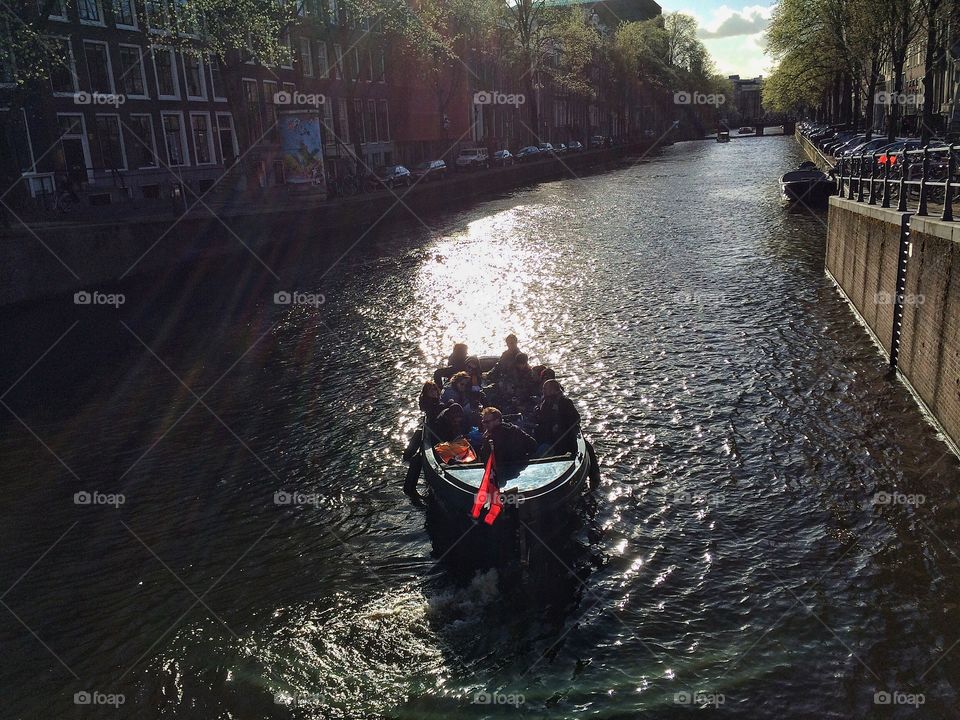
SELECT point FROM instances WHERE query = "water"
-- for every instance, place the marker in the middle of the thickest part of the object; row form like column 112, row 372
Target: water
column 733, row 555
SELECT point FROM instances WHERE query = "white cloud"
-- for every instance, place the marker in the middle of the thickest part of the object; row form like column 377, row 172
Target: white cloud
column 728, row 22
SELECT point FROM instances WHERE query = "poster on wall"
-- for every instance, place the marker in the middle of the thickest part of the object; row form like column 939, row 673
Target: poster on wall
column 302, row 148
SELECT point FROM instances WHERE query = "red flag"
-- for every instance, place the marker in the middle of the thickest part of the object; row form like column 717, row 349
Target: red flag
column 481, row 498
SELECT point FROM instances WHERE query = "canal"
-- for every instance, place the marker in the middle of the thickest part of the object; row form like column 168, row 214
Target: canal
column 776, row 534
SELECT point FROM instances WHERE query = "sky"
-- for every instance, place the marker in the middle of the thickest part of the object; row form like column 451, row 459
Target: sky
column 733, row 33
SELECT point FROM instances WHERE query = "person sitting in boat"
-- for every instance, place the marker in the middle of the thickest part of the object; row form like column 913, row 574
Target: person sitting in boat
column 505, row 364
column 458, row 391
column 477, row 398
column 510, row 443
column 429, row 401
column 557, row 422
column 457, row 362
column 546, row 374
column 451, row 424
column 526, row 383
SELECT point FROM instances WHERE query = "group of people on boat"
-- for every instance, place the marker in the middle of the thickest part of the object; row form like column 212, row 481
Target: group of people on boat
column 463, row 409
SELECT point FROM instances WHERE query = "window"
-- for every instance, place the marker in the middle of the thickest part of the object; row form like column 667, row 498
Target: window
column 370, row 121
column 72, row 155
column 383, row 122
column 379, row 66
column 334, row 12
column 338, row 56
column 306, row 57
column 63, row 74
column 98, row 66
column 358, row 115
column 124, row 13
column 354, row 65
column 326, row 122
column 108, row 144
column 133, row 81
column 202, row 140
column 251, row 95
column 193, row 76
column 344, row 119
column 164, row 62
column 216, row 78
column 158, row 14
column 287, row 61
column 143, row 149
column 185, row 16
column 174, row 139
column 58, row 12
column 322, row 68
column 270, row 116
column 227, row 139
column 90, row 12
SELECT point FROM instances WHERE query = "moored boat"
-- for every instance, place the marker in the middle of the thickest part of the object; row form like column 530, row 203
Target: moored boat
column 807, row 184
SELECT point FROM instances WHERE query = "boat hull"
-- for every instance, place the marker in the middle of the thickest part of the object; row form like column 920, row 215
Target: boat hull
column 539, row 499
column 808, row 191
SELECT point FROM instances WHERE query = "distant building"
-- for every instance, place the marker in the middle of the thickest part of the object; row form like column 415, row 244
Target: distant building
column 747, row 100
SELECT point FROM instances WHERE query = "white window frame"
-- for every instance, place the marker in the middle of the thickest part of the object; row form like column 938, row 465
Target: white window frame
column 322, row 53
column 233, row 134
column 123, row 146
column 113, row 84
column 338, row 56
column 211, row 149
column 288, row 41
column 333, row 10
column 203, row 80
column 153, row 139
column 133, row 8
column 169, row 18
column 62, row 17
column 87, row 161
column 173, row 70
column 306, row 59
column 213, row 90
column 72, row 68
column 383, row 66
column 184, row 147
column 93, row 23
column 143, row 72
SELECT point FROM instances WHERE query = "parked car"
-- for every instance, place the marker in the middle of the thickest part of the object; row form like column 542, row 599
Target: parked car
column 546, row 150
column 530, row 152
column 598, row 141
column 574, row 146
column 430, row 170
column 394, row 175
column 503, row 158
column 473, row 159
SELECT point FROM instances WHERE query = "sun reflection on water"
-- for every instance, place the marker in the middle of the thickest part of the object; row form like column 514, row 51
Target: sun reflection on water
column 479, row 284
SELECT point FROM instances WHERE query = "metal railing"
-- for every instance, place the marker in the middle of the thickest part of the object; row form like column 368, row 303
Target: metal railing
column 930, row 173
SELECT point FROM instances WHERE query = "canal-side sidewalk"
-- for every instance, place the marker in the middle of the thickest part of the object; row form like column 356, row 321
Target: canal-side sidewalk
column 900, row 274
